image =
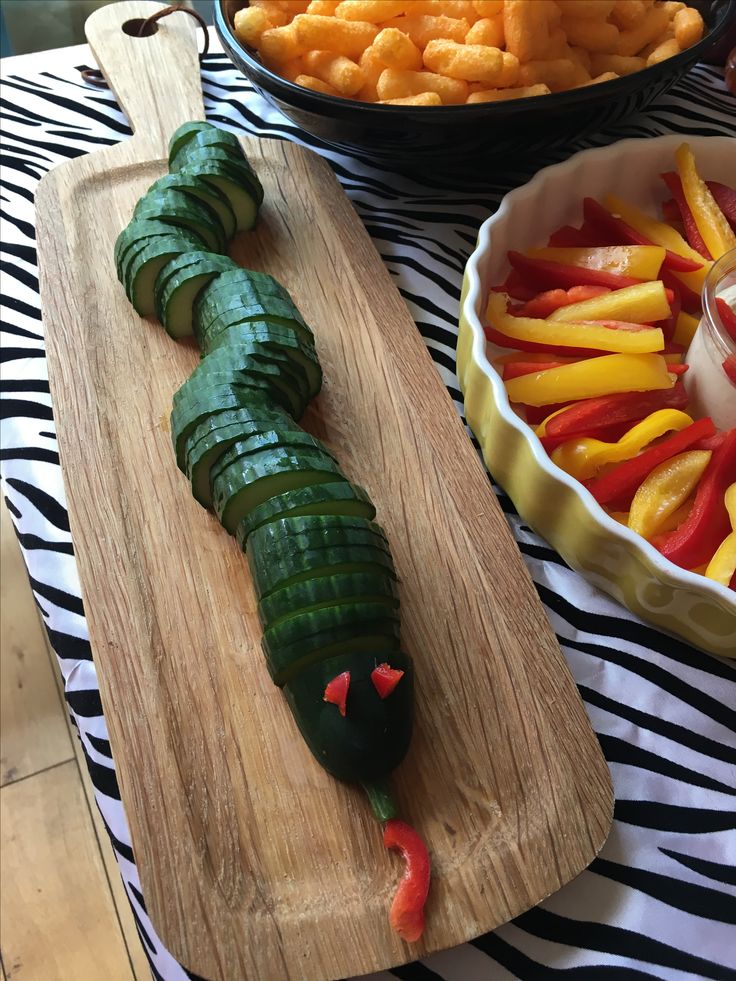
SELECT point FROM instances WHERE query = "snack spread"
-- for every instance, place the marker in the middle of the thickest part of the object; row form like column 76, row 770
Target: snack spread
column 607, row 352
column 321, row 566
column 452, row 52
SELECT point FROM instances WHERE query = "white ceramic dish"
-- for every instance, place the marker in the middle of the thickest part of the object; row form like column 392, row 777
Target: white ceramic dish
column 553, row 503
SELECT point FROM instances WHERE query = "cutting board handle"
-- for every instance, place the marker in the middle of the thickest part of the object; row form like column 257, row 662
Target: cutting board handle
column 156, row 78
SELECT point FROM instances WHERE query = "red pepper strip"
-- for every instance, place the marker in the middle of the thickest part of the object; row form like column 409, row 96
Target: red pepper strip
column 624, row 234
column 689, row 299
column 552, row 274
column 496, row 337
column 515, row 286
column 732, row 584
column 617, row 486
column 536, row 414
column 604, row 431
column 568, row 237
column 710, row 442
column 515, row 369
column 729, row 366
column 670, row 212
column 727, row 315
column 692, row 234
column 725, row 198
column 385, row 679
column 677, row 369
column 407, row 910
column 542, row 305
column 336, row 691
column 609, row 409
column 696, row 539
column 669, row 325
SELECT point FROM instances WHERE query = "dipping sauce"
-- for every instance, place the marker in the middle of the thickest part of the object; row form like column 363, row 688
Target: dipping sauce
column 711, row 391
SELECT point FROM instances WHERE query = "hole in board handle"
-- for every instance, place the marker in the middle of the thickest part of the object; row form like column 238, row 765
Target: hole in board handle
column 140, row 27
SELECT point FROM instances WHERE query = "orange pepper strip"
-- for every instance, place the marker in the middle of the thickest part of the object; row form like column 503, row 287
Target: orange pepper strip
column 665, row 490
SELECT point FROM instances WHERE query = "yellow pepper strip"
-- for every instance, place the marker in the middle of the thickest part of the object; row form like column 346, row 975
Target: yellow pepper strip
column 665, row 490
column 685, row 328
column 640, row 304
column 712, row 225
column 723, row 564
column 584, row 335
column 664, row 235
column 582, row 458
column 677, row 517
column 541, row 429
column 606, row 375
column 529, row 357
column 639, row 261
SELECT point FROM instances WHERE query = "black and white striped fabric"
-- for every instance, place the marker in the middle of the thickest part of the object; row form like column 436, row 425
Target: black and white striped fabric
column 660, row 901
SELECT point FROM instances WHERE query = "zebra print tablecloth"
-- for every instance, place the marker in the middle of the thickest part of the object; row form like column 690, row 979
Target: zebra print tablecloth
column 660, row 900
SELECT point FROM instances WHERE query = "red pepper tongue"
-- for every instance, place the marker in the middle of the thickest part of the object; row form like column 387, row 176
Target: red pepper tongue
column 336, row 691
column 407, row 910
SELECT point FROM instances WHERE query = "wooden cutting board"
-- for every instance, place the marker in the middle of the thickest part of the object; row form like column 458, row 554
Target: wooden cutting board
column 255, row 863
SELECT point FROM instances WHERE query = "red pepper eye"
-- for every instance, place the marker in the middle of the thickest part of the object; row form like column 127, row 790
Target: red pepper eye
column 336, row 691
column 385, row 679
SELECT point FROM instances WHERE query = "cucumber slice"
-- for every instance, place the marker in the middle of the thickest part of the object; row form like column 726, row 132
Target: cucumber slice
column 202, row 134
column 292, row 440
column 139, row 231
column 338, row 498
column 307, row 638
column 255, row 397
column 251, row 314
column 208, row 157
column 296, row 534
column 271, row 572
column 240, row 280
column 239, row 185
column 177, row 208
column 178, row 285
column 237, row 287
column 317, row 594
column 281, row 383
column 199, row 190
column 141, row 266
column 246, row 303
column 245, row 485
column 252, row 413
column 278, row 339
column 374, row 735
column 237, row 357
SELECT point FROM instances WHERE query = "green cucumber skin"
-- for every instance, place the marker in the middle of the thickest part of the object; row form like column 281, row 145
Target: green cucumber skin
column 188, row 131
column 297, row 633
column 314, row 594
column 248, row 306
column 254, row 398
column 291, row 441
column 198, row 190
column 138, row 231
column 213, row 158
column 252, row 418
column 270, row 574
column 379, row 638
column 241, row 279
column 180, row 282
column 374, row 736
column 143, row 265
column 177, row 208
column 337, row 498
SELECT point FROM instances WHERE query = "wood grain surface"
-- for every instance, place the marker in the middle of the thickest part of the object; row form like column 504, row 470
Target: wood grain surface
column 255, row 863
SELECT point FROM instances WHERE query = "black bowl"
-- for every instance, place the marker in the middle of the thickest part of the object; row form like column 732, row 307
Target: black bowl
column 422, row 138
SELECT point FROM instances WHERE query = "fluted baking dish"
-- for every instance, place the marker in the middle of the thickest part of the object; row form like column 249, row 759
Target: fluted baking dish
column 558, row 507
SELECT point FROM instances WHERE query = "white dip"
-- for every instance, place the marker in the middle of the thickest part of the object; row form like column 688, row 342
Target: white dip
column 709, row 388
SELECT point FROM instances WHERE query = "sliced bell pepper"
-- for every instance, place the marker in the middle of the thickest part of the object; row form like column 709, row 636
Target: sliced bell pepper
column 569, row 237
column 671, row 213
column 515, row 287
column 616, row 338
column 697, row 538
column 725, row 198
column 620, row 232
column 604, row 431
column 712, row 225
column 665, row 490
column 641, row 262
column 729, row 366
column 623, row 407
column 588, row 379
column 517, row 369
column 662, row 234
column 617, row 486
column 669, row 324
column 544, row 273
column 728, row 317
column 544, row 304
column 496, row 337
column 722, row 567
column 685, row 329
column 692, row 233
column 536, row 414
column 336, row 691
column 583, row 458
column 689, row 299
column 644, row 303
column 407, row 910
column 385, row 679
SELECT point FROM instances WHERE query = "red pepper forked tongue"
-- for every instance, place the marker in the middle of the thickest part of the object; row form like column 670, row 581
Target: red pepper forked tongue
column 407, row 910
column 336, row 691
column 385, row 679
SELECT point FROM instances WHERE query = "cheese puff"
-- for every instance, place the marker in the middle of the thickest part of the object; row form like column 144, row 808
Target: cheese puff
column 488, row 8
column 397, row 50
column 631, row 42
column 250, row 23
column 503, row 95
column 280, row 44
column 395, row 84
column 316, row 85
column 688, row 27
column 591, row 35
column 526, row 29
column 509, row 74
column 276, row 14
column 582, row 57
column 667, row 49
column 471, row 62
column 605, row 77
column 488, row 31
column 558, row 74
column 371, row 66
column 339, row 72
column 422, row 28
column 627, row 14
column 586, row 9
column 346, row 37
column 620, row 64
column 445, row 8
column 325, row 8
column 372, row 11
column 422, row 99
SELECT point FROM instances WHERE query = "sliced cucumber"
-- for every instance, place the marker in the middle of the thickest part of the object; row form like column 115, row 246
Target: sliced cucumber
column 246, row 484
column 271, row 572
column 142, row 265
column 199, row 190
column 177, row 208
column 240, row 280
column 306, row 638
column 281, row 383
column 295, row 441
column 202, row 134
column 237, row 357
column 181, row 136
column 337, row 498
column 245, row 304
column 255, row 397
column 317, row 594
column 178, row 285
column 236, row 182
column 137, row 232
column 251, row 314
column 278, row 339
column 218, row 156
column 293, row 535
column 253, row 414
